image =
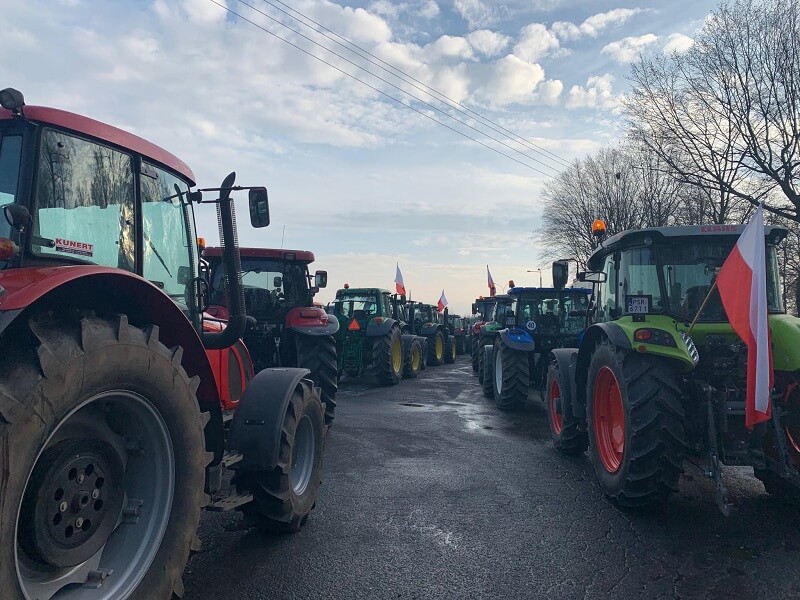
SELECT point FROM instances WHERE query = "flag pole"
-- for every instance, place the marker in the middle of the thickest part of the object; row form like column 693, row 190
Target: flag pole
column 702, row 306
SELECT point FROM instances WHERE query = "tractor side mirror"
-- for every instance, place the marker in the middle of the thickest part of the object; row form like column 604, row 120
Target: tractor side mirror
column 259, row 207
column 321, row 279
column 17, row 216
column 560, row 274
column 474, row 308
column 277, row 281
column 592, row 276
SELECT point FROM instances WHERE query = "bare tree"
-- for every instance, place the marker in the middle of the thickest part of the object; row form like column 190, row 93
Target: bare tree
column 725, row 115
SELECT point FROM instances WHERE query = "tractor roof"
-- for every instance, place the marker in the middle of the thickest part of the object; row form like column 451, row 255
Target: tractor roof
column 530, row 291
column 672, row 235
column 107, row 133
column 303, row 256
column 360, row 292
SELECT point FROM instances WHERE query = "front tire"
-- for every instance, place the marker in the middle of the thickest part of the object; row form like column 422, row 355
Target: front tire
column 450, row 355
column 475, row 351
column 436, row 349
column 104, row 458
column 413, row 359
column 387, row 357
column 635, row 422
column 318, row 355
column 563, row 425
column 487, row 381
column 510, row 380
column 284, row 497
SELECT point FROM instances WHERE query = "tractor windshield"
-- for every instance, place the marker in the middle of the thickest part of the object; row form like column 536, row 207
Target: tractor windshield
column 270, row 286
column 10, row 153
column 561, row 312
column 356, row 307
column 678, row 277
column 424, row 314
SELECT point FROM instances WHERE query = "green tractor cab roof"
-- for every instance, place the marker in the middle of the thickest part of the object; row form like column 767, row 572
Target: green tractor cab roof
column 665, row 235
column 344, row 292
column 536, row 291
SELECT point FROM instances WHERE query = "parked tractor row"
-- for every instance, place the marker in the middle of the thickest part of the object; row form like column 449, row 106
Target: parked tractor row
column 626, row 374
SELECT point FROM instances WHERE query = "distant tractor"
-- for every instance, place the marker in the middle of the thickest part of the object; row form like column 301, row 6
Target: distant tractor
column 457, row 326
column 644, row 394
column 287, row 329
column 117, row 424
column 370, row 337
column 540, row 320
column 425, row 320
column 497, row 319
column 482, row 313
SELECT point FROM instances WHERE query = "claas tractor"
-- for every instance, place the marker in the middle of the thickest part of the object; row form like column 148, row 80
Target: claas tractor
column 457, row 326
column 286, row 328
column 117, row 424
column 645, row 394
column 425, row 320
column 539, row 320
column 496, row 320
column 482, row 313
column 371, row 337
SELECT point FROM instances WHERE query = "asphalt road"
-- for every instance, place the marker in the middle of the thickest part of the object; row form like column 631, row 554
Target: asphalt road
column 430, row 492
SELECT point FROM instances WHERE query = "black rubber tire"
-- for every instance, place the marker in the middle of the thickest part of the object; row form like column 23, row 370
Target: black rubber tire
column 433, row 360
column 276, row 507
column 513, row 391
column 412, row 348
column 570, row 440
column 450, row 351
column 474, row 350
column 483, row 341
column 53, row 366
column 382, row 363
column 318, row 355
column 487, row 381
column 654, row 442
column 423, row 344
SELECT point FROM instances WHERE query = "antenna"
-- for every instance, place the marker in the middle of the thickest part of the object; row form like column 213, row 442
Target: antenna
column 282, row 236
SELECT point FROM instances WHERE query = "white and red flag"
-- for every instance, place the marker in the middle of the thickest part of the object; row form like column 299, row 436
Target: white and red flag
column 742, row 283
column 398, row 281
column 442, row 304
column 492, row 288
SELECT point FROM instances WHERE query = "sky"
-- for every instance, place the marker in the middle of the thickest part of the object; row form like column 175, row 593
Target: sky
column 362, row 175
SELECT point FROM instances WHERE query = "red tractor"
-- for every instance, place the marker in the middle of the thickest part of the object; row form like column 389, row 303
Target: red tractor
column 286, row 329
column 116, row 431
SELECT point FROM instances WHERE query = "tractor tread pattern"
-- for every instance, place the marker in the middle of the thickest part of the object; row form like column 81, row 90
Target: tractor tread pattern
column 571, row 441
column 516, row 378
column 318, row 355
column 382, row 358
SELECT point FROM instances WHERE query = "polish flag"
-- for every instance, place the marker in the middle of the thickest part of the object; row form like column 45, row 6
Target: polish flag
column 398, row 281
column 442, row 303
column 492, row 288
column 742, row 283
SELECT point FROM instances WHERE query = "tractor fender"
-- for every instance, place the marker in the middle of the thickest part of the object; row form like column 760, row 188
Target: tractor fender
column 310, row 320
column 488, row 356
column 591, row 337
column 407, row 339
column 256, row 426
column 428, row 329
column 517, row 339
column 490, row 328
column 380, row 326
column 566, row 358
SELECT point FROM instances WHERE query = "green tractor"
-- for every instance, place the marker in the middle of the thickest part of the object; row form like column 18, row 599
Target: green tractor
column 370, row 337
column 481, row 314
column 644, row 391
column 426, row 321
column 539, row 320
column 487, row 331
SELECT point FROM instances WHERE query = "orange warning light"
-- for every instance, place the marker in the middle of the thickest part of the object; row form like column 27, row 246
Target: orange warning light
column 7, row 249
column 354, row 326
column 599, row 227
column 201, row 243
column 347, row 286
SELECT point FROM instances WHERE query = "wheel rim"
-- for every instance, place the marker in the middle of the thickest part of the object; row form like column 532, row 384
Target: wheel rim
column 556, row 416
column 609, row 420
column 498, row 372
column 439, row 348
column 302, row 455
column 415, row 359
column 97, row 502
column 397, row 356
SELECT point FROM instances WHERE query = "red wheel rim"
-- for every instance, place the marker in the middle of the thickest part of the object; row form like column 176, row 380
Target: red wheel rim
column 556, row 418
column 609, row 420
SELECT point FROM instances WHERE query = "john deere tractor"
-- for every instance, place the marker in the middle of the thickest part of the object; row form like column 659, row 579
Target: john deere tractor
column 644, row 393
column 370, row 337
column 540, row 320
column 426, row 321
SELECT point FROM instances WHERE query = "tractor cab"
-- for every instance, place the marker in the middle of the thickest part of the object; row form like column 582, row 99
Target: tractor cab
column 550, row 312
column 356, row 307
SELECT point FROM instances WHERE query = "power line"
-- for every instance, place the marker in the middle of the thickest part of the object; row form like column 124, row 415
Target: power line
column 372, row 87
column 405, row 77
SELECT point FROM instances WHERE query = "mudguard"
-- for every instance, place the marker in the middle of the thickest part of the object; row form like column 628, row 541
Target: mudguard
column 379, row 326
column 429, row 329
column 311, row 321
column 256, row 427
column 407, row 340
column 517, row 339
column 567, row 358
column 490, row 328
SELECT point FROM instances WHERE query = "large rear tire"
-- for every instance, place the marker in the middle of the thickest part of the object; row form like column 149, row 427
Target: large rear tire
column 103, row 463
column 413, row 358
column 563, row 425
column 387, row 357
column 475, row 351
column 635, row 422
column 436, row 349
column 423, row 345
column 318, row 355
column 510, row 379
column 450, row 354
column 284, row 497
column 487, row 381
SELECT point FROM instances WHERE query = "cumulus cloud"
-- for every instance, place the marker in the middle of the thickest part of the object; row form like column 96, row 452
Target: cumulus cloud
column 487, row 42
column 476, row 12
column 598, row 93
column 513, row 80
column 593, row 25
column 427, row 9
column 628, row 49
column 535, row 42
column 449, row 46
column 677, row 42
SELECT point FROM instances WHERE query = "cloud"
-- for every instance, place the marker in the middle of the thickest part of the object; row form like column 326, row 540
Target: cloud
column 427, row 9
column 513, row 80
column 487, row 42
column 476, row 13
column 628, row 49
column 535, row 42
column 597, row 93
column 593, row 25
column 449, row 46
column 204, row 11
column 677, row 42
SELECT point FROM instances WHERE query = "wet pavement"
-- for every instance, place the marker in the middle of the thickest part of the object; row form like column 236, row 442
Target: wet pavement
column 431, row 492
